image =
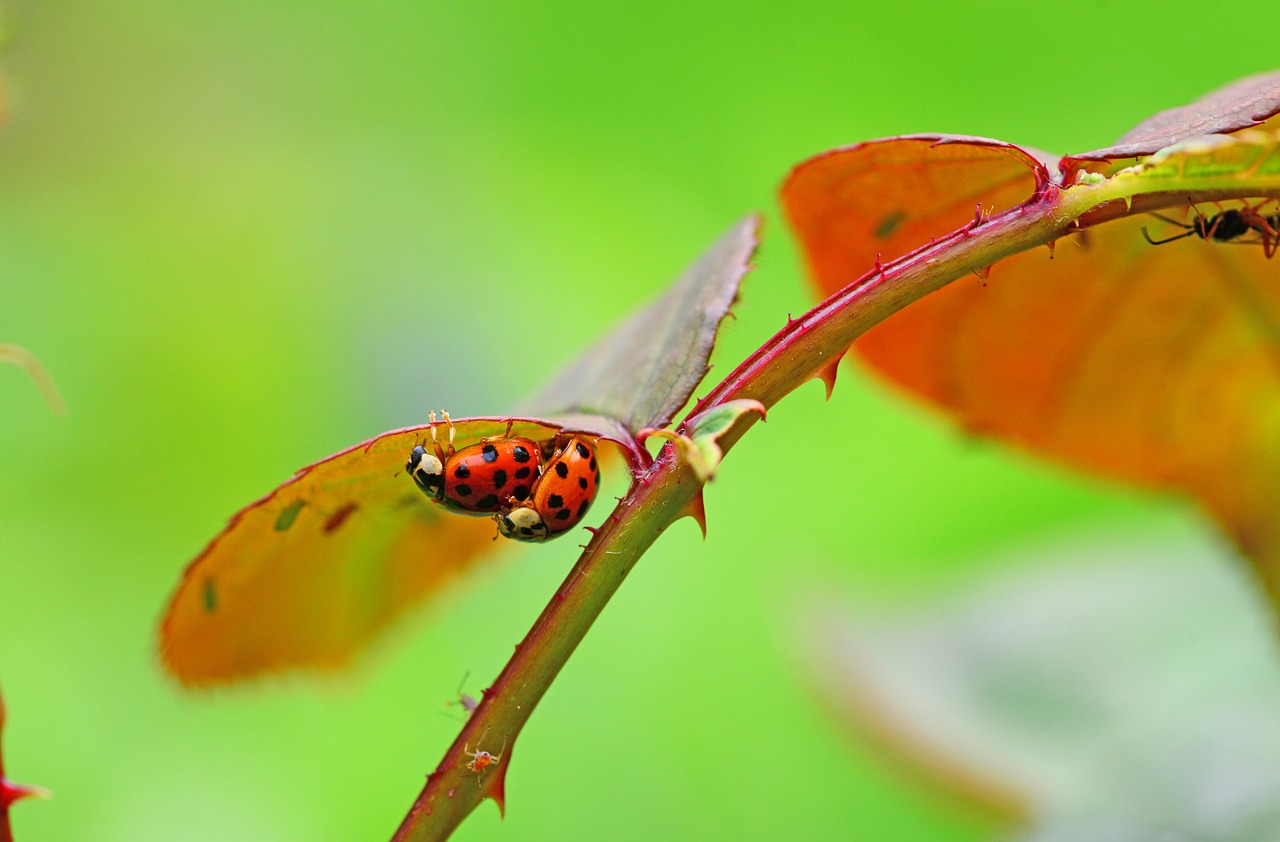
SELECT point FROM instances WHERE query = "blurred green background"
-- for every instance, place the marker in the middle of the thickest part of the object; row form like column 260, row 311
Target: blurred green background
column 244, row 235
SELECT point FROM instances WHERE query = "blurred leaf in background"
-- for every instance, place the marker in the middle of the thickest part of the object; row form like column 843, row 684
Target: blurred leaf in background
column 1117, row 689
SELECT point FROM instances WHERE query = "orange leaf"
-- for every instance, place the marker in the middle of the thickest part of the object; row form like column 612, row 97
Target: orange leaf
column 1156, row 365
column 310, row 573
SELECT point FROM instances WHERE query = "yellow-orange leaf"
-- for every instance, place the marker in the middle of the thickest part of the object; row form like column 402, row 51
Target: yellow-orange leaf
column 307, row 575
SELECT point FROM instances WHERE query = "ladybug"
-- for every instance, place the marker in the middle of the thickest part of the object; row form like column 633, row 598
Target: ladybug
column 478, row 479
column 561, row 496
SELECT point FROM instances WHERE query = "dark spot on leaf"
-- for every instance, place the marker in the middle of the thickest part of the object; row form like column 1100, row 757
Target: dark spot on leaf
column 339, row 517
column 489, row 501
column 489, row 453
column 562, row 470
column 582, row 483
column 520, row 492
column 210, row 597
column 523, row 473
column 582, row 450
column 563, row 514
column 462, row 471
column 289, row 514
column 889, row 224
column 555, row 501
column 462, row 490
column 521, row 453
column 499, row 478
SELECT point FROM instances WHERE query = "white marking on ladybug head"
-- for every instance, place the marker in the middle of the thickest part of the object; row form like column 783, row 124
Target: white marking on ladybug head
column 522, row 524
column 427, row 471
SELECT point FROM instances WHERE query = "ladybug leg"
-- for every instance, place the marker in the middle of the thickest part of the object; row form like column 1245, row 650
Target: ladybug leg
column 448, row 422
column 435, row 442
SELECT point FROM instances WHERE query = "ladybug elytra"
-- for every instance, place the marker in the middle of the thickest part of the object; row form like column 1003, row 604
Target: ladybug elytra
column 479, row 479
column 560, row 497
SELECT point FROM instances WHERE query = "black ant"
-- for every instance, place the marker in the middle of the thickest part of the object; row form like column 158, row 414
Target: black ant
column 1225, row 227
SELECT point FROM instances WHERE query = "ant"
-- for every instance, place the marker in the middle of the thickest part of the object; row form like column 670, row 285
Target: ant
column 1226, row 226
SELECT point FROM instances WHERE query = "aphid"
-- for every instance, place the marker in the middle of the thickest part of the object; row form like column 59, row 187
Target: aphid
column 478, row 479
column 1225, row 227
column 560, row 497
column 465, row 700
column 481, row 760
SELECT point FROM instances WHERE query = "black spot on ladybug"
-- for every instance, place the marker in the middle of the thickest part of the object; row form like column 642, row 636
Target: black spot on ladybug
column 462, row 472
column 488, row 501
column 582, row 510
column 562, row 470
column 489, row 453
column 582, row 450
column 499, row 478
column 555, row 501
column 563, row 514
column 521, row 454
column 582, row 483
column 592, row 466
column 523, row 473
column 462, row 490
column 520, row 492
column 524, row 530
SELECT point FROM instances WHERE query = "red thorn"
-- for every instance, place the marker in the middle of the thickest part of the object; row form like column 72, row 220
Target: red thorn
column 697, row 510
column 11, row 792
column 1052, row 245
column 827, row 374
column 879, row 267
column 977, row 214
column 498, row 789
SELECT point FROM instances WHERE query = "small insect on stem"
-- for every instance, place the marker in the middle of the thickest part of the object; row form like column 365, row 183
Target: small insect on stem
column 1227, row 226
column 481, row 760
column 465, row 701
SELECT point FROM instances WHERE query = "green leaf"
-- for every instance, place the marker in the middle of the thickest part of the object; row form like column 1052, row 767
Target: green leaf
column 701, row 446
column 643, row 371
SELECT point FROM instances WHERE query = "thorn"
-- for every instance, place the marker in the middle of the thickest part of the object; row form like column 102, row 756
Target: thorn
column 879, row 267
column 977, row 214
column 827, row 374
column 698, row 511
column 498, row 789
column 11, row 792
column 1052, row 244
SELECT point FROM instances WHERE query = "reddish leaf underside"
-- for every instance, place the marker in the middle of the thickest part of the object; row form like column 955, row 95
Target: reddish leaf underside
column 1158, row 365
column 1239, row 105
column 306, row 576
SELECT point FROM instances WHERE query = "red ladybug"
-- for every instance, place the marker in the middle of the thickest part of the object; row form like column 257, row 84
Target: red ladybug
column 479, row 479
column 561, row 496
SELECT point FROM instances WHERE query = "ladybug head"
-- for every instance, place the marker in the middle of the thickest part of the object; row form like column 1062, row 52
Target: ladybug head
column 522, row 524
column 427, row 472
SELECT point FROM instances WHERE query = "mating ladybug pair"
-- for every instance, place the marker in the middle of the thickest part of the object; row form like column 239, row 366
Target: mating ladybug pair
column 535, row 491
